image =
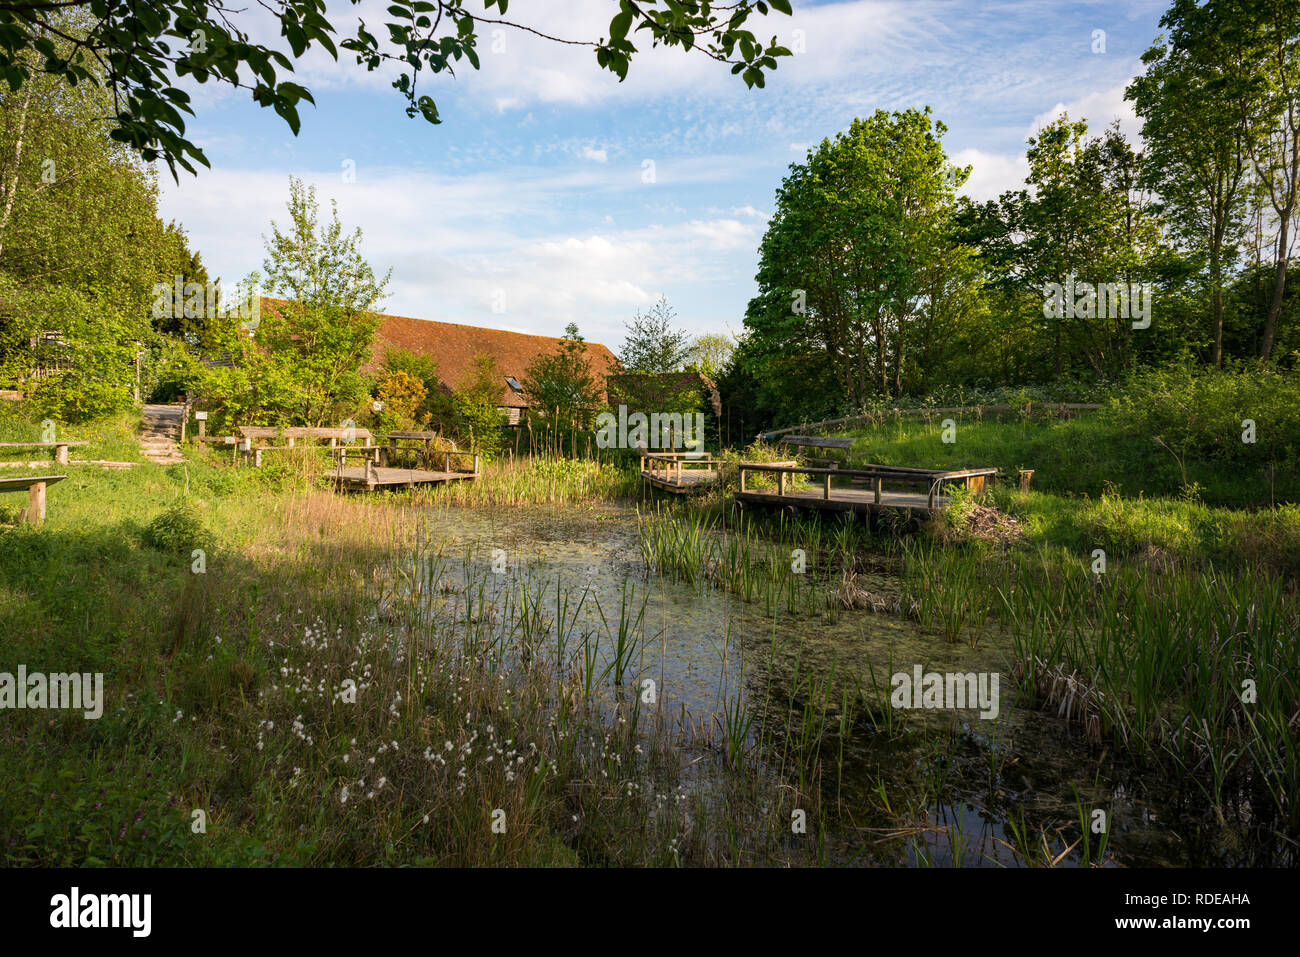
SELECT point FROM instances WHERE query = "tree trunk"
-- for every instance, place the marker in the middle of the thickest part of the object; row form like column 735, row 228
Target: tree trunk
column 1216, row 274
column 1279, row 286
column 11, row 190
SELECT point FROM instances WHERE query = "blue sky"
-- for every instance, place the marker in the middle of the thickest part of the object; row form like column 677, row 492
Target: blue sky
column 527, row 208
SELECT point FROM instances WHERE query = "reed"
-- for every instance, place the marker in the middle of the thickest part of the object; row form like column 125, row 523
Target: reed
column 1193, row 669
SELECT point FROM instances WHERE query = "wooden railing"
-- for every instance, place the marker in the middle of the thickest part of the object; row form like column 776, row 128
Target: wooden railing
column 933, row 479
column 671, row 464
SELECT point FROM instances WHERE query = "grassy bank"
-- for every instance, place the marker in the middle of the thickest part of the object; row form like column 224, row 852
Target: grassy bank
column 1233, row 437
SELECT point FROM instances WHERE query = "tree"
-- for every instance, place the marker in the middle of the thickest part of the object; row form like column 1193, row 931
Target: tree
column 652, row 343
column 300, row 361
column 321, row 336
column 1264, row 39
column 75, row 208
column 1087, row 219
column 436, row 403
column 477, row 406
column 179, row 260
column 709, row 353
column 148, row 44
column 846, row 263
column 1195, row 134
column 397, row 396
column 81, row 247
column 560, row 386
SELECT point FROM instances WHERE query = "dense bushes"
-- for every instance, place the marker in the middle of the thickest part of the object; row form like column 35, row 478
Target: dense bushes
column 1208, row 416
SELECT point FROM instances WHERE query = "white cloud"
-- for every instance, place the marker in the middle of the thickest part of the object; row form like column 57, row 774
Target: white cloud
column 599, row 156
column 454, row 241
column 991, row 173
column 1100, row 109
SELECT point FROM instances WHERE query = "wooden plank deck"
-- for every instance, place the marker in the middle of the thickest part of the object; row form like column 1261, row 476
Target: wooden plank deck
column 671, row 482
column 678, row 472
column 370, row 478
column 843, row 500
column 825, row 496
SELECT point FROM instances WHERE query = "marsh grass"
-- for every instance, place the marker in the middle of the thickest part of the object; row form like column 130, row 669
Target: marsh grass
column 540, row 480
column 1160, row 661
column 229, row 692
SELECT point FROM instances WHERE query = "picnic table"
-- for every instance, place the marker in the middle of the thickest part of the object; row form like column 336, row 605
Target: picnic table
column 293, row 433
column 34, row 486
column 60, row 447
column 422, row 444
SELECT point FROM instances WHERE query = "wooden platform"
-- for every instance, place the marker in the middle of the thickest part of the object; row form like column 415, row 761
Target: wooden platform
column 679, row 483
column 845, row 500
column 369, row 478
column 678, row 472
column 826, row 496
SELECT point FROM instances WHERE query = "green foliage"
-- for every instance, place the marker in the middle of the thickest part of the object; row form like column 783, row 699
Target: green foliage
column 300, row 362
column 861, row 281
column 82, row 366
column 178, row 530
column 80, row 248
column 709, row 353
column 160, row 41
column 653, row 344
column 398, row 394
column 436, row 404
column 561, row 388
column 476, row 409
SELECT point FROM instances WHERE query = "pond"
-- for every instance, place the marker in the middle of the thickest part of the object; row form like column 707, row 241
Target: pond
column 969, row 782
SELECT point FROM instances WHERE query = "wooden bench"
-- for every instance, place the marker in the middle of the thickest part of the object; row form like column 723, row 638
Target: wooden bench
column 801, row 442
column 34, row 486
column 60, row 448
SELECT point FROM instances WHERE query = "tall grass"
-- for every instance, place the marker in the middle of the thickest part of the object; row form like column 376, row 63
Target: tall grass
column 542, row 480
column 1195, row 670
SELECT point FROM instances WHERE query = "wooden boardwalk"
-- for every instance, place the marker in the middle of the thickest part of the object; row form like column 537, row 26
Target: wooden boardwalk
column 831, row 495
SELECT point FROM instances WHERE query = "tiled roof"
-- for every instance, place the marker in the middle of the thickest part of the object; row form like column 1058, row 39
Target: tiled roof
column 454, row 346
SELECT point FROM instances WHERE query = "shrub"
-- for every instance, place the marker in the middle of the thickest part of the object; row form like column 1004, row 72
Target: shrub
column 179, row 530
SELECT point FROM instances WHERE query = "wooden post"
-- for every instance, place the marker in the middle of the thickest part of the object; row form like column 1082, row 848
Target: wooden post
column 257, row 458
column 372, row 473
column 61, row 454
column 742, row 478
column 780, row 483
column 446, row 461
column 879, row 490
column 828, row 488
column 203, row 429
column 35, row 514
column 476, row 455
